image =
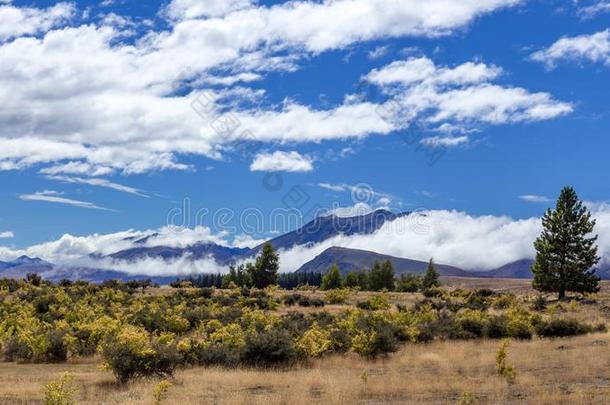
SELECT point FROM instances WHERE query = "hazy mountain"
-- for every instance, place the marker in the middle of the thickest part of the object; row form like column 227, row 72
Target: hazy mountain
column 355, row 260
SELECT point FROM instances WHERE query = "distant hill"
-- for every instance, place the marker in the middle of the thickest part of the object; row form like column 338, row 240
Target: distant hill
column 519, row 269
column 355, row 260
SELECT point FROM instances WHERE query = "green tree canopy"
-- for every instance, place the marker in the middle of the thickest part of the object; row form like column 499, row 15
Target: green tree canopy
column 566, row 251
column 430, row 278
column 332, row 279
column 264, row 271
column 381, row 276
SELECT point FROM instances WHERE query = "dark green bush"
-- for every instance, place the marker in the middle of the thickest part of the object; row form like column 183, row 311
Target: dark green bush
column 269, row 348
column 561, row 327
column 496, row 327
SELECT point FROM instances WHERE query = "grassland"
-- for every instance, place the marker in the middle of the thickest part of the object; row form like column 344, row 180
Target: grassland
column 572, row 370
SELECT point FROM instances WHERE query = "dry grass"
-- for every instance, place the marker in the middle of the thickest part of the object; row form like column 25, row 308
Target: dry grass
column 560, row 371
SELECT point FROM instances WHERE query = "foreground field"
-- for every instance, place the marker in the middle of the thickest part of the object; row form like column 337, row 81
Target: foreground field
column 557, row 371
column 203, row 346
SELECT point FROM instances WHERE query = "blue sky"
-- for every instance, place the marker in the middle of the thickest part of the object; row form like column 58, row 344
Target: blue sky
column 528, row 146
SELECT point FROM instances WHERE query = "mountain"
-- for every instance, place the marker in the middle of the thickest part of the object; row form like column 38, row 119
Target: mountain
column 326, row 227
column 355, row 260
column 222, row 254
column 23, row 265
column 519, row 269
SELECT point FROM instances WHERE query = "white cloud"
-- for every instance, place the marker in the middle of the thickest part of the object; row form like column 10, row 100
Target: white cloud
column 7, row 235
column 442, row 141
column 189, row 9
column 53, row 197
column 333, row 187
column 17, row 21
column 593, row 48
column 81, row 97
column 535, row 198
column 594, row 9
column 281, row 162
column 99, row 183
column 379, row 52
column 459, row 97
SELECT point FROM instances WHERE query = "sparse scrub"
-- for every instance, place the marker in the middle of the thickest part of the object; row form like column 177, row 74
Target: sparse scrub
column 60, row 392
column 503, row 369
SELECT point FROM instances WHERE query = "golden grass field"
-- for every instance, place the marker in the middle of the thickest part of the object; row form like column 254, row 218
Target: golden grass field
column 548, row 371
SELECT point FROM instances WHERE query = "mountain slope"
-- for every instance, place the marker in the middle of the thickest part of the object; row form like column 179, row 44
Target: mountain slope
column 222, row 254
column 326, row 227
column 23, row 265
column 355, row 260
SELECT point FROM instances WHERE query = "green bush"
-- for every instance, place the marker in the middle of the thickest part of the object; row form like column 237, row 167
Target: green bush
column 561, row 327
column 337, row 296
column 269, row 348
column 131, row 354
column 433, row 292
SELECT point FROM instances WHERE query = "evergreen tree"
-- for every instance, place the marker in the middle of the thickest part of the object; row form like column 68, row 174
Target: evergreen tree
column 430, row 278
column 240, row 276
column 351, row 280
column 264, row 271
column 381, row 277
column 566, row 251
column 409, row 283
column 332, row 279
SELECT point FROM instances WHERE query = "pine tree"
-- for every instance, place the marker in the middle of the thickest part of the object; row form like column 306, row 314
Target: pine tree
column 381, row 276
column 332, row 279
column 264, row 271
column 430, row 278
column 566, row 251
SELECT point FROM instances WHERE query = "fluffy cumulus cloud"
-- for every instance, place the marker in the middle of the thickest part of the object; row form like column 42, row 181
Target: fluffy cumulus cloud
column 591, row 48
column 80, row 99
column 459, row 97
column 17, row 21
column 281, row 162
column 7, row 235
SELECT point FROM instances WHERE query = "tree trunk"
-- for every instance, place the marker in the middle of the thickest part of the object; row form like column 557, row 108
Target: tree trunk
column 562, row 294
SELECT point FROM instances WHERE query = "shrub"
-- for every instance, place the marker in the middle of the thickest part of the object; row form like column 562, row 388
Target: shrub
column 503, row 301
column 57, row 351
column 496, row 327
column 206, row 292
column 317, row 302
column 160, row 391
column 472, row 323
column 337, row 296
column 539, row 303
column 379, row 302
column 314, row 343
column 291, row 299
column 365, row 305
column 503, row 369
column 269, row 347
column 374, row 342
column 60, row 392
column 131, row 354
column 561, row 327
column 433, row 292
